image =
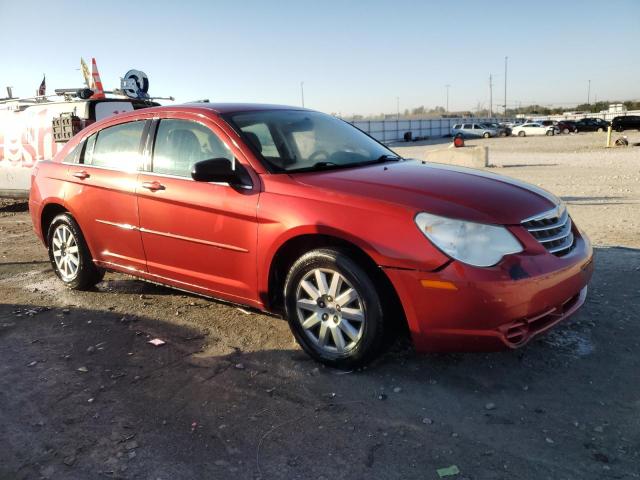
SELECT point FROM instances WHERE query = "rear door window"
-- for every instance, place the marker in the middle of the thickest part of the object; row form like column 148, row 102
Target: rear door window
column 118, row 147
column 466, row 126
column 179, row 144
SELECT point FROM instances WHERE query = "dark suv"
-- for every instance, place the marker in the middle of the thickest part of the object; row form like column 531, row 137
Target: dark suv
column 628, row 122
column 591, row 125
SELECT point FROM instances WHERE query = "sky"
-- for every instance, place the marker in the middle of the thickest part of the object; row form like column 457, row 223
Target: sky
column 354, row 57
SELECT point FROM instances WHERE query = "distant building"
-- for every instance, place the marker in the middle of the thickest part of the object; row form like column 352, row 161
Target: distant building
column 616, row 108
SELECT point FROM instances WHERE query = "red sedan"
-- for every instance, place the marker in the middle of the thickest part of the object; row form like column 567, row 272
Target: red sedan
column 297, row 212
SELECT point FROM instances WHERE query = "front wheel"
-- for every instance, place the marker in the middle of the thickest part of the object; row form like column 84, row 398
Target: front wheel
column 565, row 131
column 69, row 254
column 486, row 135
column 521, row 134
column 600, row 130
column 334, row 309
column 549, row 133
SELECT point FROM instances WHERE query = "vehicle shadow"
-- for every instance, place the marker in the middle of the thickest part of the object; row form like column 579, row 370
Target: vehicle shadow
column 13, row 206
column 115, row 404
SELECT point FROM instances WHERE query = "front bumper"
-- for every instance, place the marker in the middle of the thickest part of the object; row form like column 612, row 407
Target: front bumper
column 488, row 309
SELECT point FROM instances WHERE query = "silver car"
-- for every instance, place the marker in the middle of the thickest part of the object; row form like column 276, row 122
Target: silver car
column 470, row 130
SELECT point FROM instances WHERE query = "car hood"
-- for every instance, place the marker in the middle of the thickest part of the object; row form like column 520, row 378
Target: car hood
column 446, row 190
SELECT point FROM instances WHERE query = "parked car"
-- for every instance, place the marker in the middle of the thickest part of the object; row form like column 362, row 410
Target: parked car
column 471, row 130
column 566, row 126
column 297, row 212
column 515, row 123
column 591, row 125
column 501, row 130
column 627, row 122
column 533, row 128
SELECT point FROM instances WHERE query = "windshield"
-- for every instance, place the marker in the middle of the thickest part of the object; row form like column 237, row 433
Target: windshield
column 299, row 140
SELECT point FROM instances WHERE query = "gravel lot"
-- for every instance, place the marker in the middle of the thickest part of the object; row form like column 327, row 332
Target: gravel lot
column 83, row 395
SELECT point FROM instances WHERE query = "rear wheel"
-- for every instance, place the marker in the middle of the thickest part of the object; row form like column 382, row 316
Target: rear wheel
column 486, row 135
column 600, row 130
column 70, row 256
column 521, row 133
column 549, row 133
column 565, row 131
column 334, row 309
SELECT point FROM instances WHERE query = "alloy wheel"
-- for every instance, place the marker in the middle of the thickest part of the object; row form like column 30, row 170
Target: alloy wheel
column 330, row 310
column 65, row 252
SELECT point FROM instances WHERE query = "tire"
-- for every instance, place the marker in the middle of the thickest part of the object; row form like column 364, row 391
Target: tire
column 486, row 135
column 522, row 134
column 565, row 131
column 549, row 133
column 319, row 323
column 600, row 130
column 69, row 254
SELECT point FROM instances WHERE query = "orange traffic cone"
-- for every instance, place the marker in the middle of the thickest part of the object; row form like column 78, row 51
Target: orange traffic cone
column 98, row 91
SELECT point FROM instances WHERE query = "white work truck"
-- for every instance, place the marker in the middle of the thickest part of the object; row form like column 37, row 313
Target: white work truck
column 27, row 131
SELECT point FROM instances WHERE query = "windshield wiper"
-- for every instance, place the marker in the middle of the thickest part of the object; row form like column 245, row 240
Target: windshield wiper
column 382, row 159
column 324, row 164
column 387, row 158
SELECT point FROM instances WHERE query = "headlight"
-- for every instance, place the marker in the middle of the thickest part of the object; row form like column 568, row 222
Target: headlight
column 477, row 244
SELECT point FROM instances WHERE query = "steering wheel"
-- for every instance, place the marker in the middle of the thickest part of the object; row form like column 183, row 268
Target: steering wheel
column 313, row 157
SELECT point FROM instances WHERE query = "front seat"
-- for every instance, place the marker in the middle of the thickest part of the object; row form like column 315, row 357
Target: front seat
column 254, row 140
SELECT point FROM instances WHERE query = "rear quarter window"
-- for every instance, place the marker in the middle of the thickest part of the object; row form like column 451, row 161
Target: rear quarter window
column 74, row 155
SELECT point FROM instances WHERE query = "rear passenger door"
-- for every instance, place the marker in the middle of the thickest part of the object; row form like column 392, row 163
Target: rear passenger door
column 101, row 194
column 197, row 235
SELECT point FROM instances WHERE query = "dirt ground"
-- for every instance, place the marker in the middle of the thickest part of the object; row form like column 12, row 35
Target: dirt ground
column 230, row 395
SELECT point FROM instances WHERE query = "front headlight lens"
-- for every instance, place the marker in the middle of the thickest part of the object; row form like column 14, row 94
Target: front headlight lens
column 477, row 244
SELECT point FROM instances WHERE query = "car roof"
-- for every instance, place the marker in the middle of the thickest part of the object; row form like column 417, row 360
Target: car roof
column 195, row 107
column 222, row 108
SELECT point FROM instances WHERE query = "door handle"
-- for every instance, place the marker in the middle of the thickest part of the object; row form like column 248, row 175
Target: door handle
column 81, row 174
column 153, row 186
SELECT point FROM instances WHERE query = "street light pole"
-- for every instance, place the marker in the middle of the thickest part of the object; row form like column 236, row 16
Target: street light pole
column 588, row 92
column 505, row 85
column 302, row 92
column 398, row 108
column 490, row 96
column 447, row 87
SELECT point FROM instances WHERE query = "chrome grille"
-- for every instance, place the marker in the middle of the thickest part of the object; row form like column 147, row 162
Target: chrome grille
column 552, row 229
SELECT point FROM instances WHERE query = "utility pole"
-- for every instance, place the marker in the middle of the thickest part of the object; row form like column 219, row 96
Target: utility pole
column 398, row 108
column 490, row 97
column 588, row 92
column 302, row 92
column 505, row 85
column 447, row 87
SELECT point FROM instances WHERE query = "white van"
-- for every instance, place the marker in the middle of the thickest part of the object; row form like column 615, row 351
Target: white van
column 26, row 132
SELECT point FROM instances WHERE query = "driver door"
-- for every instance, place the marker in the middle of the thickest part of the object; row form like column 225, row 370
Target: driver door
column 196, row 235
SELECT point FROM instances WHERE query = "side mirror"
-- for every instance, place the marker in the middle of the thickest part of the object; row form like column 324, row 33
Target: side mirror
column 221, row 170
